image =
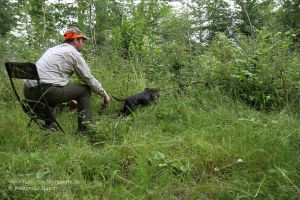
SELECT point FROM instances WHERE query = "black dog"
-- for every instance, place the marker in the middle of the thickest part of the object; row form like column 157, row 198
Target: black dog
column 146, row 97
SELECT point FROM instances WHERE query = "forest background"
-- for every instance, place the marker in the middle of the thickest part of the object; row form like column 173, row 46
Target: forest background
column 231, row 70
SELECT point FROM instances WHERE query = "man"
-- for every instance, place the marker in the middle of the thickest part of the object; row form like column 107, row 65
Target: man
column 55, row 69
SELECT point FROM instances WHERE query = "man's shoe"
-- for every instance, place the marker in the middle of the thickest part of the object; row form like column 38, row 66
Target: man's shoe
column 86, row 130
column 83, row 131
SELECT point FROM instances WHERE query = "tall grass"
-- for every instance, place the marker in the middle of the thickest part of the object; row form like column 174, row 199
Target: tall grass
column 194, row 145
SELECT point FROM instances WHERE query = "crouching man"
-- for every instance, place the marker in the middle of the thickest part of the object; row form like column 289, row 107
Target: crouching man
column 55, row 69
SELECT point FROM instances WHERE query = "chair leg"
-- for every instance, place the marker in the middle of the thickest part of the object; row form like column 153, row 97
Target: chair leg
column 56, row 122
column 52, row 115
column 36, row 121
column 29, row 122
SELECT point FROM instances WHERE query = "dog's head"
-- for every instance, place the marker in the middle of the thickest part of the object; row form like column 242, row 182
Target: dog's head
column 152, row 90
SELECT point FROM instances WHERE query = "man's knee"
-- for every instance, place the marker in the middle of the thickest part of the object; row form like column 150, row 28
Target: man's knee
column 87, row 91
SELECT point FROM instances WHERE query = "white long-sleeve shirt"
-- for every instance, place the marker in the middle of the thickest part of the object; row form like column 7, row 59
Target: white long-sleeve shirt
column 57, row 65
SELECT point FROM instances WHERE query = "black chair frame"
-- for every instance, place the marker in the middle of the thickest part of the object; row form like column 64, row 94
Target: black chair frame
column 36, row 110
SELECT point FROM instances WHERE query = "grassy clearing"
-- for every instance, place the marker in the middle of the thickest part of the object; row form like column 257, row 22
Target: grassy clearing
column 196, row 145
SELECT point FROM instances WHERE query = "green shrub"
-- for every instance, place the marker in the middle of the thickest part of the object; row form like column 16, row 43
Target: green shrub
column 263, row 72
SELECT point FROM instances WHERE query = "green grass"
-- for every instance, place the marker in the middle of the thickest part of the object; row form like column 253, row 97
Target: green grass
column 196, row 145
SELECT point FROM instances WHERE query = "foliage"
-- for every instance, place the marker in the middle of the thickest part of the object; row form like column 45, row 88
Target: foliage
column 288, row 16
column 254, row 15
column 213, row 61
column 211, row 17
column 6, row 17
column 262, row 72
column 198, row 145
column 109, row 16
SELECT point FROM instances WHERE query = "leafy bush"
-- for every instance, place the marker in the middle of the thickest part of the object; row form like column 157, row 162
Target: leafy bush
column 263, row 72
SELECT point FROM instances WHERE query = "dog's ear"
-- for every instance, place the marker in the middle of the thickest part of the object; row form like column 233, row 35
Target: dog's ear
column 155, row 90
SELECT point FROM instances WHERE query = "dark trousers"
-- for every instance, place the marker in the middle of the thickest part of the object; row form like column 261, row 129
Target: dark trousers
column 56, row 95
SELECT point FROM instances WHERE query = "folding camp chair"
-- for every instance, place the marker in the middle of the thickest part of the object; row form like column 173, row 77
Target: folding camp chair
column 40, row 110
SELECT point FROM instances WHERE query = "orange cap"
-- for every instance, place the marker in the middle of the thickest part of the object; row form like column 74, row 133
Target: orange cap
column 73, row 33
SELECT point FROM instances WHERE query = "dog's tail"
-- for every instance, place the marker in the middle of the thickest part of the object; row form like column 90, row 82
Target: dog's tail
column 118, row 99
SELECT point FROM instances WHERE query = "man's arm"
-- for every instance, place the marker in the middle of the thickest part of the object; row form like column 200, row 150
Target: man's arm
column 83, row 72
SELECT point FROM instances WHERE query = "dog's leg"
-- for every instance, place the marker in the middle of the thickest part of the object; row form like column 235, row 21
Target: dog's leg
column 128, row 108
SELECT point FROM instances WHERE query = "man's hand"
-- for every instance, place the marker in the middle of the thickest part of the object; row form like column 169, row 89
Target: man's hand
column 106, row 99
column 72, row 105
column 104, row 106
